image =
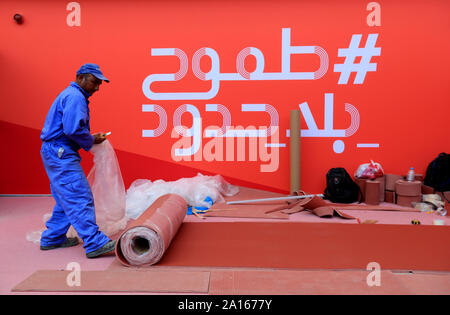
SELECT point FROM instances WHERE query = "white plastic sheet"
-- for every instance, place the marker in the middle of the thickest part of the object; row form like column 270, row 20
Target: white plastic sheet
column 143, row 192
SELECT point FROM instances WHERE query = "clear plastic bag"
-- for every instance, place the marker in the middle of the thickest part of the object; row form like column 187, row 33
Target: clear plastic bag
column 370, row 170
column 35, row 236
column 142, row 192
column 108, row 189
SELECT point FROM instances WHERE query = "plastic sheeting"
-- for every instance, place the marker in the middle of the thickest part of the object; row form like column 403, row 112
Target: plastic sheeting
column 35, row 236
column 146, row 240
column 195, row 190
column 108, row 189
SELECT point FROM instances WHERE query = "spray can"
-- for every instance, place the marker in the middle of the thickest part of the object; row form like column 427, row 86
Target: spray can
column 410, row 176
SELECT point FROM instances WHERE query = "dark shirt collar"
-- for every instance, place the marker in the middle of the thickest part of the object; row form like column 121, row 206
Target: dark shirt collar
column 75, row 85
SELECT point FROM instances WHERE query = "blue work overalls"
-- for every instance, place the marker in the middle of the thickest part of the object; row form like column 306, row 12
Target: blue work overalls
column 65, row 131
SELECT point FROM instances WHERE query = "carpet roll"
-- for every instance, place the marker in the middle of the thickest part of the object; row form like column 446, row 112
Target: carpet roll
column 382, row 181
column 405, row 188
column 407, row 201
column 145, row 240
column 372, row 192
column 408, row 192
column 361, row 182
column 389, row 196
column 390, row 180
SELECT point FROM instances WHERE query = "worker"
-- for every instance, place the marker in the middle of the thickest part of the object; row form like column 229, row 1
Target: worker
column 66, row 130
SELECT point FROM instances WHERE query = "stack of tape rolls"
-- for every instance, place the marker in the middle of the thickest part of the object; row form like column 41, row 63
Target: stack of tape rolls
column 147, row 238
column 408, row 192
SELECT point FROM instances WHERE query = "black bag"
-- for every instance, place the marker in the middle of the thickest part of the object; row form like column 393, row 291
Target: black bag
column 438, row 173
column 340, row 186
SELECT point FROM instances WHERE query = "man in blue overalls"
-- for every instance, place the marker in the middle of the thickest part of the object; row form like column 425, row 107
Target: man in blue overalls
column 65, row 131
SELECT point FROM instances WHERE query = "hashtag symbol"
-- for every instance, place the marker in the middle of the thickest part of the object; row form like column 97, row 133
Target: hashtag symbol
column 353, row 51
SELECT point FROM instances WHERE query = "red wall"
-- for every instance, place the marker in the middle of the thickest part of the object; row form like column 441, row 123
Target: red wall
column 403, row 105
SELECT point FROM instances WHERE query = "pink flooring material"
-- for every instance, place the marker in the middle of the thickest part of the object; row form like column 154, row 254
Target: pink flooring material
column 382, row 217
column 21, row 258
column 154, row 280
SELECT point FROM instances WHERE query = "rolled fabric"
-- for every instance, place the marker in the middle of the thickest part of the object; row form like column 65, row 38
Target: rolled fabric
column 373, row 192
column 362, row 185
column 407, row 201
column 382, row 181
column 405, row 188
column 146, row 240
column 427, row 190
column 389, row 196
column 361, row 182
column 390, row 180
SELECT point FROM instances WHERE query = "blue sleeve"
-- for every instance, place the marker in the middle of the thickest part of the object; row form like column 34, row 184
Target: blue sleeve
column 76, row 121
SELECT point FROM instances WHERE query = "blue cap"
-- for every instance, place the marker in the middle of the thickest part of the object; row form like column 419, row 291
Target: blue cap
column 93, row 69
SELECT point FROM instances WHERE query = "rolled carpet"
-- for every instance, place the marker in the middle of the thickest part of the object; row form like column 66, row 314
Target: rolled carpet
column 146, row 240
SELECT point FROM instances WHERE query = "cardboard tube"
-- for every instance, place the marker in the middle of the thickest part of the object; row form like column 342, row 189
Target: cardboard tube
column 146, row 240
column 294, row 150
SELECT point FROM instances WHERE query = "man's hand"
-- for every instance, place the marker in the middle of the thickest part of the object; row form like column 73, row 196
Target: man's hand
column 99, row 137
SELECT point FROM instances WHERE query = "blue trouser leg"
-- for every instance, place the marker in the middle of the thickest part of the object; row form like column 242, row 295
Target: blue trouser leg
column 74, row 200
column 57, row 225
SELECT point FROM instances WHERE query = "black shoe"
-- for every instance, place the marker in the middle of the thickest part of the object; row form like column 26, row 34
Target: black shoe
column 69, row 242
column 108, row 247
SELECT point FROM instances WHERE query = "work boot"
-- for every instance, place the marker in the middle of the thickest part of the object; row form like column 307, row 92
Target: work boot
column 108, row 247
column 69, row 242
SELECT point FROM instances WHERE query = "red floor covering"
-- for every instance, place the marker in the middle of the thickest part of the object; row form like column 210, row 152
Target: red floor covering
column 264, row 264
